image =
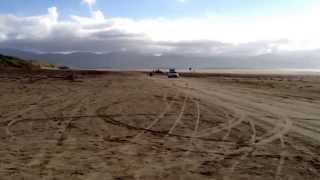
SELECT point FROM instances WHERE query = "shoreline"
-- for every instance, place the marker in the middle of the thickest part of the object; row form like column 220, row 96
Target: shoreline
column 284, row 71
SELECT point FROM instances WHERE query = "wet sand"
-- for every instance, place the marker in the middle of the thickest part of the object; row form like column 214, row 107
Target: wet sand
column 132, row 126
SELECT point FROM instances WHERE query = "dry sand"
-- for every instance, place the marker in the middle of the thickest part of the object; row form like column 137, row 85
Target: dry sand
column 131, row 126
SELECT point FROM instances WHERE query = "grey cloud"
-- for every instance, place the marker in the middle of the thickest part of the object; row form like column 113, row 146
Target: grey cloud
column 211, row 48
column 117, row 35
column 67, row 42
column 45, row 34
column 64, row 39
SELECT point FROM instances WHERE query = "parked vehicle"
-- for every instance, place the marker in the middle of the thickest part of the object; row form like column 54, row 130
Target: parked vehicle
column 63, row 68
column 173, row 74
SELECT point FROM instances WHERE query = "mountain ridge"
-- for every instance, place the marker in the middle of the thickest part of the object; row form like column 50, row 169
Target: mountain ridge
column 131, row 60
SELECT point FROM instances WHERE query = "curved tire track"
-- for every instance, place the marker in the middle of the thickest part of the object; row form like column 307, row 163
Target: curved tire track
column 178, row 120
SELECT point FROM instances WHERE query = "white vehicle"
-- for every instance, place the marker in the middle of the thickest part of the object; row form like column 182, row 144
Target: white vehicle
column 173, row 74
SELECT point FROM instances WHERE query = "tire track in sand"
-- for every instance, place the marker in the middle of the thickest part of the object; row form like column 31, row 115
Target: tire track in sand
column 196, row 127
column 285, row 127
column 178, row 120
column 235, row 165
column 43, row 157
column 282, row 128
column 254, row 132
column 281, row 133
column 29, row 109
column 223, row 127
column 229, row 129
column 278, row 135
column 246, row 154
column 161, row 116
column 221, row 101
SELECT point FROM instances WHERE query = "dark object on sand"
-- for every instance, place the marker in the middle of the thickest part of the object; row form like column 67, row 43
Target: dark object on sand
column 158, row 71
column 64, row 67
column 71, row 77
column 150, row 74
column 173, row 74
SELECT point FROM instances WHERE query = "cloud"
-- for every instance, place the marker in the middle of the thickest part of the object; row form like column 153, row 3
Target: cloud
column 45, row 33
column 90, row 3
column 13, row 27
column 209, row 35
column 96, row 18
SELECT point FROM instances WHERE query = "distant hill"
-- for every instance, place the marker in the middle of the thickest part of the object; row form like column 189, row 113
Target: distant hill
column 136, row 60
column 42, row 64
column 18, row 63
column 13, row 62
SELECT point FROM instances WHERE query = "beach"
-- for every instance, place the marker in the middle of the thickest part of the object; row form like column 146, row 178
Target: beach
column 88, row 125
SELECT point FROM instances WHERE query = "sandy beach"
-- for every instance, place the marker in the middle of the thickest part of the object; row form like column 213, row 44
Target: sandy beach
column 127, row 125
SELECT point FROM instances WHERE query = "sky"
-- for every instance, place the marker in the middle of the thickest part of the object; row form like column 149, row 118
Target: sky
column 195, row 27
